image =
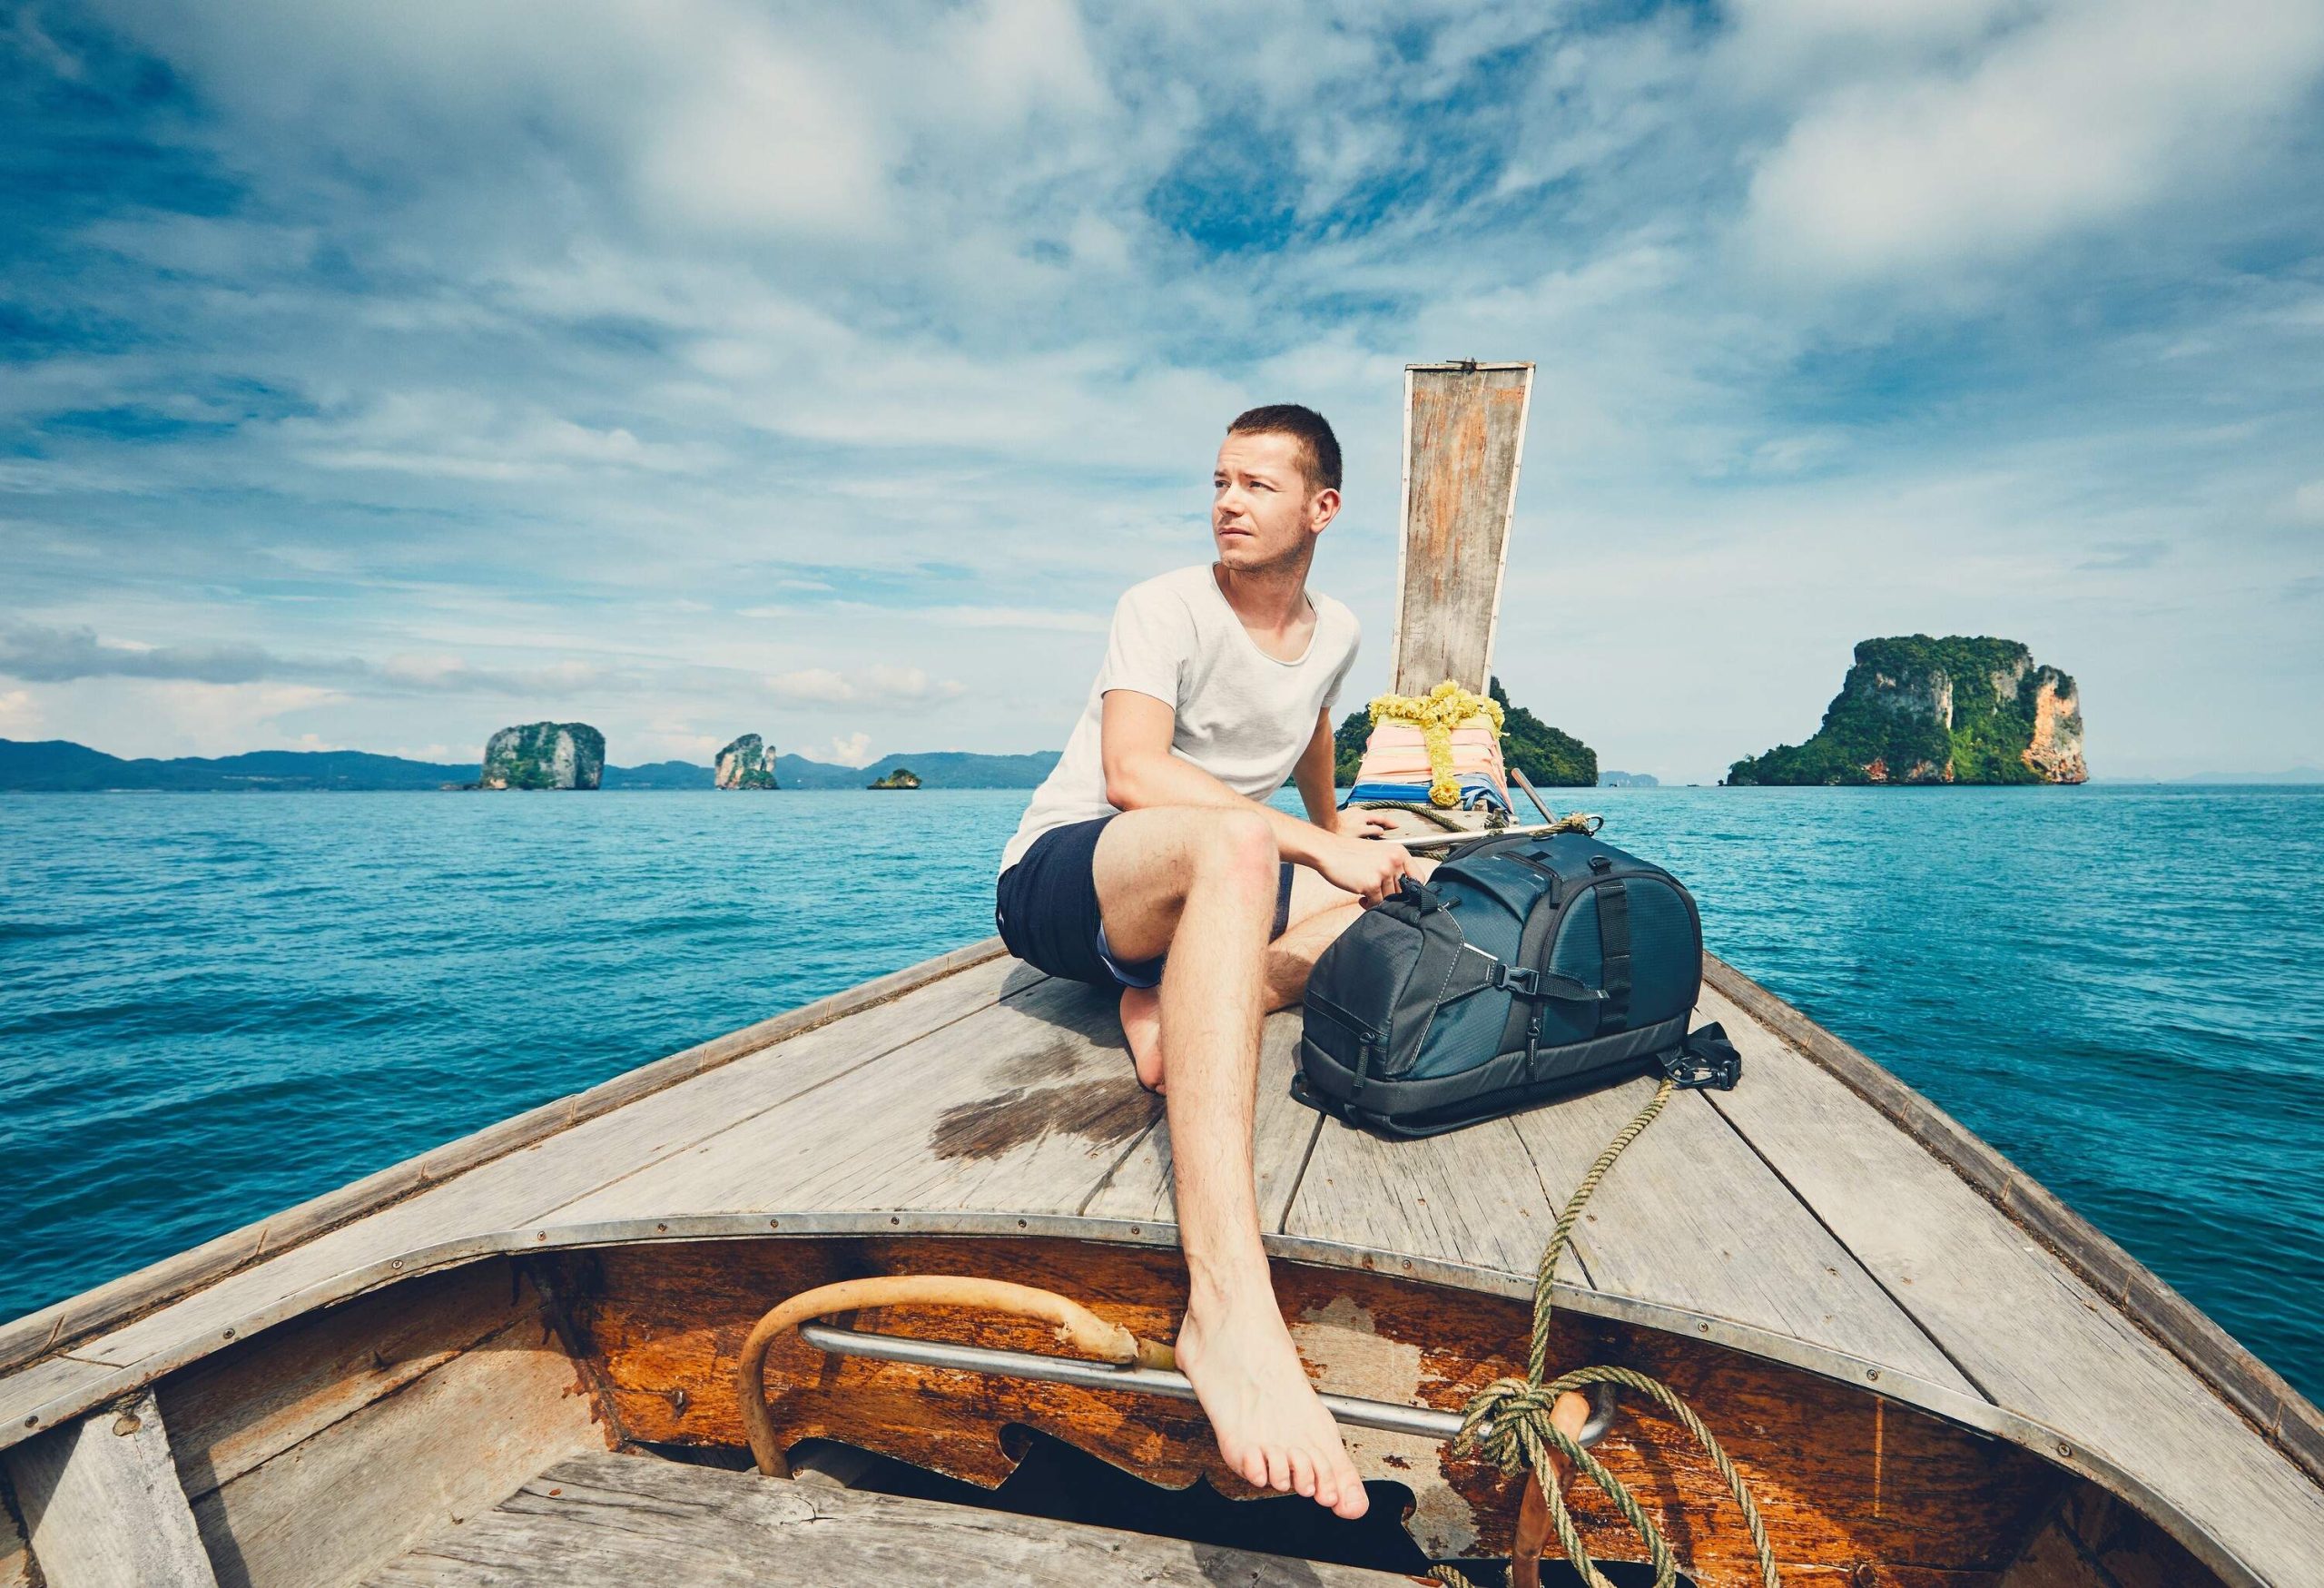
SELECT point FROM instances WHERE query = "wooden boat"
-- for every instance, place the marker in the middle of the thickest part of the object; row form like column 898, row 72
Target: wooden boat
column 512, row 1359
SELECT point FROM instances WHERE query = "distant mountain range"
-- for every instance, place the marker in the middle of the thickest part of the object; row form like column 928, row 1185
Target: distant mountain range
column 58, row 765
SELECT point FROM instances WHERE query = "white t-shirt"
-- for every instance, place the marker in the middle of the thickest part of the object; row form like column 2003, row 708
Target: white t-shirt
column 1243, row 717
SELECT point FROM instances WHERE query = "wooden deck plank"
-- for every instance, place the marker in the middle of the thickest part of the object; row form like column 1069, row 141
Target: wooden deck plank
column 2030, row 1335
column 27, row 1393
column 233, row 1412
column 513, row 1191
column 1139, row 1188
column 447, row 1446
column 1020, row 1107
column 102, row 1506
column 1691, row 1218
column 612, row 1520
column 15, row 1555
column 1470, row 1197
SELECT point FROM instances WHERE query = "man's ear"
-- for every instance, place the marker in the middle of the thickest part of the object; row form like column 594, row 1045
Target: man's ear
column 1322, row 508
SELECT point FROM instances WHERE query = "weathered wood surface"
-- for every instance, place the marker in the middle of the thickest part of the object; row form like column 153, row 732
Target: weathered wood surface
column 1025, row 1106
column 235, row 1411
column 103, row 1507
column 618, row 1520
column 1843, row 1478
column 1470, row 1198
column 2091, row 1539
column 1464, row 433
column 1692, row 1218
column 61, row 1325
column 46, row 1393
column 2215, row 1355
column 441, row 1448
column 15, row 1555
column 1138, row 1188
column 2027, row 1332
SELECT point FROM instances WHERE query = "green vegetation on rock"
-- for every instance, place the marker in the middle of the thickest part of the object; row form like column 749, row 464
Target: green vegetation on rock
column 1549, row 756
column 745, row 764
column 901, row 777
column 1918, row 710
column 545, row 756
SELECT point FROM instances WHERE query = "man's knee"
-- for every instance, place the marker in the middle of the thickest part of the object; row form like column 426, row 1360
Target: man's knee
column 1238, row 845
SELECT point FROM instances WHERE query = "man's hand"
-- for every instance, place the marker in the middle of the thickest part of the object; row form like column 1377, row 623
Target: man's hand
column 1368, row 869
column 1353, row 823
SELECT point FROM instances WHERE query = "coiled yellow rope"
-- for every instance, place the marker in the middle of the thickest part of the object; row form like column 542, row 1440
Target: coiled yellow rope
column 1508, row 1421
column 1437, row 714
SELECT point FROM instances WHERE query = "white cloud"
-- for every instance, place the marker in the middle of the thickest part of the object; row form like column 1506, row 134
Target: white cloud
column 2308, row 503
column 20, row 715
column 2078, row 118
column 880, row 684
column 850, row 750
column 224, row 719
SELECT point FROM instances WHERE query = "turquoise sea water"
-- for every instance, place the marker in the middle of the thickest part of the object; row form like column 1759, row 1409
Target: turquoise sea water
column 213, row 1006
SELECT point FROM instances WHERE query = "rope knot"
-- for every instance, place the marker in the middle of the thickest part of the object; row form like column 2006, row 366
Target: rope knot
column 1507, row 1423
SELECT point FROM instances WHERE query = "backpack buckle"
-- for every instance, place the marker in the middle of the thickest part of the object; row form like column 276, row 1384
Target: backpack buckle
column 1522, row 980
column 1706, row 1061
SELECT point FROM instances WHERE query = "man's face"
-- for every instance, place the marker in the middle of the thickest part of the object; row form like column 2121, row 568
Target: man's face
column 1261, row 514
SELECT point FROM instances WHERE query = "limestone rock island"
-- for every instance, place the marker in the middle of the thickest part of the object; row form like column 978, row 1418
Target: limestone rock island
column 1915, row 709
column 902, row 777
column 545, row 756
column 747, row 763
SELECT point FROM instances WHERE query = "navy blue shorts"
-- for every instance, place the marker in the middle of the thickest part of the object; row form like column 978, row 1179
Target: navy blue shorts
column 1046, row 906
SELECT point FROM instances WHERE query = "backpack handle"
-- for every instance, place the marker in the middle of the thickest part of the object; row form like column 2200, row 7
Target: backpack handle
column 1420, row 893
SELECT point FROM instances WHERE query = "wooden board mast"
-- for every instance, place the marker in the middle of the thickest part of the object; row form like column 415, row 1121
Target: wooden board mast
column 1464, row 432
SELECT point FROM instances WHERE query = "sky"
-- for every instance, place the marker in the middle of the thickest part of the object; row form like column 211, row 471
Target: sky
column 375, row 376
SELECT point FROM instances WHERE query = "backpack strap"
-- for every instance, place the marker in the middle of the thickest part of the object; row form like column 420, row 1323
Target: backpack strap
column 1707, row 1058
column 1614, row 942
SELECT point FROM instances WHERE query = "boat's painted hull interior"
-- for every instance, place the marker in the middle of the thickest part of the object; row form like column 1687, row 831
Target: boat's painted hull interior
column 328, row 1449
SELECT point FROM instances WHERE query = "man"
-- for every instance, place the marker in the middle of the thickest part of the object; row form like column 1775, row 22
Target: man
column 1146, row 863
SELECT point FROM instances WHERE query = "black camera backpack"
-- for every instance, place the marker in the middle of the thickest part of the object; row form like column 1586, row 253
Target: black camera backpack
column 1528, row 965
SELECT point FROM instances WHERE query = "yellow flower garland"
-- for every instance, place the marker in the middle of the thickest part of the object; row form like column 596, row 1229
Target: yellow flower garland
column 1437, row 714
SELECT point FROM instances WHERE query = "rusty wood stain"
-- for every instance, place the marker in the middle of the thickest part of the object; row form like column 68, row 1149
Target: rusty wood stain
column 1820, row 1456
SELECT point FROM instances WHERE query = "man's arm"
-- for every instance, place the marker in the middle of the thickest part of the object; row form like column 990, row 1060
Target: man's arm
column 1318, row 789
column 1140, row 771
column 1317, row 777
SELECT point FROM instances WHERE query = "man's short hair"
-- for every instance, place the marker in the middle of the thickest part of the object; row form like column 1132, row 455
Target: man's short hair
column 1319, row 449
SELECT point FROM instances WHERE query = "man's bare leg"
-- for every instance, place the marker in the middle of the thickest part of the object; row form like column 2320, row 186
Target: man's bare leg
column 1200, row 884
column 1142, row 1030
column 1319, row 912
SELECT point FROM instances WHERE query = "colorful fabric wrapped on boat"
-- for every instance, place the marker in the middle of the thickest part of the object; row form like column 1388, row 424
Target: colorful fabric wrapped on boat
column 1442, row 749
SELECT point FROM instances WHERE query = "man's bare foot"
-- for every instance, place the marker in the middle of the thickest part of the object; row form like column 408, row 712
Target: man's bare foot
column 1270, row 1426
column 1142, row 1024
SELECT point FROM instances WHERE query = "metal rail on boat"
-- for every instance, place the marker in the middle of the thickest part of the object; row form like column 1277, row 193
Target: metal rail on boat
column 1351, row 1410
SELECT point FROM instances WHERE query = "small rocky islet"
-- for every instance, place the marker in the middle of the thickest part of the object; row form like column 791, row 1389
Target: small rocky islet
column 544, row 755
column 1922, row 711
column 748, row 763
